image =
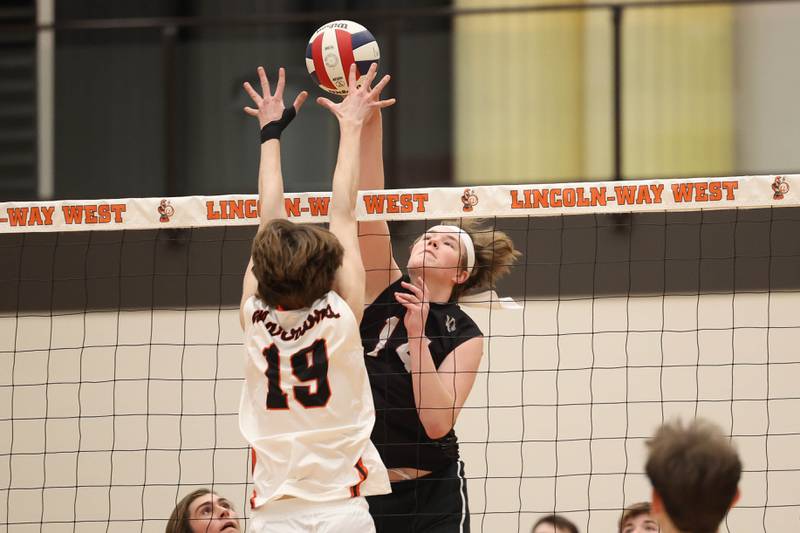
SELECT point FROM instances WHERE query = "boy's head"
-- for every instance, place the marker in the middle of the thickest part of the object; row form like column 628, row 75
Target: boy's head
column 637, row 518
column 554, row 523
column 695, row 474
column 294, row 264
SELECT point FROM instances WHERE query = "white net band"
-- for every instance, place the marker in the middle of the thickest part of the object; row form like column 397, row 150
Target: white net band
column 743, row 192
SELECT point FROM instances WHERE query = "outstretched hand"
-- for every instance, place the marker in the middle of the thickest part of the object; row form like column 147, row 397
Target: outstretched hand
column 270, row 106
column 360, row 102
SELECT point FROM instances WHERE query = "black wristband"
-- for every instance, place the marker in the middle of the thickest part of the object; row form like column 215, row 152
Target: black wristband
column 273, row 130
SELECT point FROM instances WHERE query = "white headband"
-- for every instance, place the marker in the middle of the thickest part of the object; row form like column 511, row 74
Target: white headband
column 465, row 239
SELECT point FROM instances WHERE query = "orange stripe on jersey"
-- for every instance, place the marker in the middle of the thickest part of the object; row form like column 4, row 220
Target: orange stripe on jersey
column 252, row 472
column 355, row 490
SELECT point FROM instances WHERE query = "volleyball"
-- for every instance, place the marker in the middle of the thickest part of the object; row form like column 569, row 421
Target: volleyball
column 333, row 48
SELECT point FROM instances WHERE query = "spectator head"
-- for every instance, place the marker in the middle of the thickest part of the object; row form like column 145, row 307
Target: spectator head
column 554, row 523
column 695, row 475
column 637, row 518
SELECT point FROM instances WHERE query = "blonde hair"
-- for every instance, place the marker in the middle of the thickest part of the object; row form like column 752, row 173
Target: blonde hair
column 494, row 256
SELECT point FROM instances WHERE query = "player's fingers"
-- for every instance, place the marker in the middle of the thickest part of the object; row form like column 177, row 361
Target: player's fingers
column 300, row 100
column 351, row 77
column 281, row 84
column 410, row 306
column 250, row 111
column 410, row 286
column 252, row 92
column 380, row 104
column 371, row 73
column 262, row 76
column 327, row 104
column 404, row 297
column 380, row 85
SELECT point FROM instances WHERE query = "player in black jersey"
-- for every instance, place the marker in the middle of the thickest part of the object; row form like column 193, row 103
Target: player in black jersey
column 422, row 353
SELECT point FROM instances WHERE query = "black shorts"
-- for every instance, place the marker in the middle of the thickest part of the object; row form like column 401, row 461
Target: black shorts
column 436, row 503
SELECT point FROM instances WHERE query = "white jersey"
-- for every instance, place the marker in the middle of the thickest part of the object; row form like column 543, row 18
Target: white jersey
column 306, row 406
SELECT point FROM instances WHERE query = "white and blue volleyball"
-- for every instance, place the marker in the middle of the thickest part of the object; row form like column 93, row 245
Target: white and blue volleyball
column 333, row 48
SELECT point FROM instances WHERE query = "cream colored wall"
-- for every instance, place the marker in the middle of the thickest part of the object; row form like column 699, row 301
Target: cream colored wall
column 563, row 392
column 533, row 93
column 678, row 89
column 518, row 95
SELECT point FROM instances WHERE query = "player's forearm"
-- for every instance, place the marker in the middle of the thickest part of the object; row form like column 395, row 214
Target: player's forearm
column 270, row 182
column 371, row 159
column 435, row 400
column 345, row 177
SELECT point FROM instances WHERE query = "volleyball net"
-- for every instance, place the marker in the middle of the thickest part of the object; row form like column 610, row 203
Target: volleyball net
column 636, row 302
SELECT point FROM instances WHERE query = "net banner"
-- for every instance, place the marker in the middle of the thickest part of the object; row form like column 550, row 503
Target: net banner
column 411, row 204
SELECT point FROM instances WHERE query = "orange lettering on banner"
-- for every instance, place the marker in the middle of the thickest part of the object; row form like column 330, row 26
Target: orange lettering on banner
column 657, row 190
column 118, row 209
column 292, row 206
column 715, row 191
column 88, row 214
column 568, row 197
column 700, row 192
column 376, row 204
column 420, row 198
column 729, row 187
column 540, row 199
column 73, row 214
column 626, row 194
column 582, row 200
column 48, row 215
column 391, row 203
column 704, row 192
column 17, row 216
column 104, row 215
column 516, row 203
column 682, row 192
column 599, row 196
column 235, row 208
column 34, row 216
column 211, row 213
column 93, row 213
column 405, row 203
column 373, row 203
column 555, row 197
column 319, row 205
column 558, row 197
column 251, row 208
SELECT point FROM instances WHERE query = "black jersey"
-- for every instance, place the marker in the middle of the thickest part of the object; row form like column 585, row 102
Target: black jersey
column 398, row 433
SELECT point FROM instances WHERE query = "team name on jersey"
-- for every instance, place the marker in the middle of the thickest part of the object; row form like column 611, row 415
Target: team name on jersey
column 276, row 330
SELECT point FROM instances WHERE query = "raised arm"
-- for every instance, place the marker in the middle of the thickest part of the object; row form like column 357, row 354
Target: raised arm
column 351, row 114
column 271, row 114
column 376, row 245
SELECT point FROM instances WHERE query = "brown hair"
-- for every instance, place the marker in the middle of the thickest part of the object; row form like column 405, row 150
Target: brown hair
column 632, row 511
column 494, row 256
column 294, row 264
column 179, row 519
column 695, row 470
column 557, row 521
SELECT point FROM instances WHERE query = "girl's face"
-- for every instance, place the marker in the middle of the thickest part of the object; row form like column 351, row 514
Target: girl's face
column 211, row 513
column 439, row 254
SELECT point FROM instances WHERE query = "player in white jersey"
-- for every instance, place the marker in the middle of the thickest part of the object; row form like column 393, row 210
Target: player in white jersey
column 306, row 407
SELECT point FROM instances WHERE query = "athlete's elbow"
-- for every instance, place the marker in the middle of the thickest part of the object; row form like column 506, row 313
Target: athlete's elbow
column 436, row 427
